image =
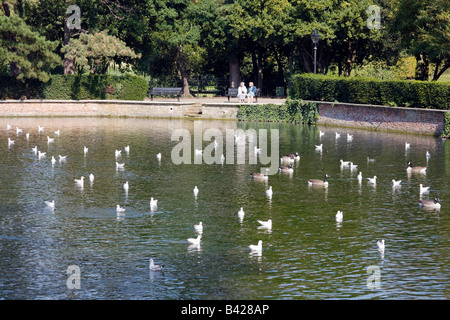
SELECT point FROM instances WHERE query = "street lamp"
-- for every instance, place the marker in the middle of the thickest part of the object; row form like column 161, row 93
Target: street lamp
column 315, row 36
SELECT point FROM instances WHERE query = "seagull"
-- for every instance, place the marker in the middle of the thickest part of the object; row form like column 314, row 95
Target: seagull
column 118, row 153
column 241, row 214
column 266, row 224
column 349, row 137
column 85, row 150
column 339, row 216
column 396, row 183
column 153, row 204
column 10, row 142
column 50, row 140
column 370, row 160
column 41, row 154
column 319, row 147
column 321, row 133
column 373, row 180
column 8, row 127
column 40, row 129
column 428, row 155
column 198, row 152
column 158, row 156
column 91, row 178
column 126, row 186
column 195, row 241
column 62, row 158
column 269, row 192
column 360, row 177
column 338, row 135
column 80, row 181
column 155, row 267
column 222, row 159
column 344, row 163
column 50, row 204
column 424, row 189
column 380, row 245
column 127, row 149
column 27, row 135
column 257, row 247
column 353, row 166
column 120, row 165
column 57, row 132
column 407, row 146
column 53, row 160
column 120, row 209
column 195, row 191
column 199, row 227
column 35, row 149
column 18, row 130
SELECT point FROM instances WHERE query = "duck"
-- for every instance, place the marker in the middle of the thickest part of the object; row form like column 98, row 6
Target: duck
column 339, row 216
column 287, row 169
column 195, row 241
column 430, row 204
column 155, row 267
column 259, row 175
column 266, row 224
column 257, row 247
column 373, row 180
column 396, row 183
column 419, row 169
column 319, row 147
column 317, row 182
column 423, row 189
column 199, row 227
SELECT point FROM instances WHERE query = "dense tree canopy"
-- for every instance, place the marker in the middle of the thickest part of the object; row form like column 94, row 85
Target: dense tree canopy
column 251, row 39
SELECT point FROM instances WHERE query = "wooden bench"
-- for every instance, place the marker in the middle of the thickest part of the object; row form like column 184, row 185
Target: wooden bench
column 233, row 92
column 160, row 91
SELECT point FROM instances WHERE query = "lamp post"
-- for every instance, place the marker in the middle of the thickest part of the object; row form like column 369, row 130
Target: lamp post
column 315, row 36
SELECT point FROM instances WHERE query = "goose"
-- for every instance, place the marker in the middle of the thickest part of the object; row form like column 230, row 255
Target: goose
column 62, row 158
column 241, row 213
column 85, row 150
column 294, row 156
column 153, row 204
column 35, row 149
column 155, row 267
column 10, row 142
column 57, row 132
column 430, row 204
column 407, row 146
column 199, row 227
column 344, row 163
column 410, row 168
column 317, row 182
column 373, row 180
column 195, row 241
column 40, row 129
column 423, row 189
column 266, row 224
column 158, row 156
column 120, row 209
column 339, row 216
column 338, row 135
column 126, row 186
column 53, row 160
column 118, row 153
column 50, row 204
column 50, row 140
column 91, row 178
column 257, row 247
column 349, row 137
column 18, row 130
column 319, row 147
column 360, row 177
column 259, row 175
column 127, row 149
column 287, row 159
column 396, row 183
column 269, row 192
column 120, row 165
column 195, row 191
column 80, row 181
column 353, row 166
column 288, row 168
column 380, row 245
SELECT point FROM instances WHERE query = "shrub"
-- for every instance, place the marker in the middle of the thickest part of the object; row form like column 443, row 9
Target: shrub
column 403, row 93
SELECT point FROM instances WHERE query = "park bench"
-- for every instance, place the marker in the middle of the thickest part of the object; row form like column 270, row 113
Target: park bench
column 160, row 91
column 232, row 92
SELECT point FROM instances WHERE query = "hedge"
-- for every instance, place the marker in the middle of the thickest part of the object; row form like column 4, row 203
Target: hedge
column 401, row 93
column 77, row 87
column 292, row 111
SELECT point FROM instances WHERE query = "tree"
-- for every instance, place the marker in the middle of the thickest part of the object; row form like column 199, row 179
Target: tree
column 24, row 53
column 95, row 52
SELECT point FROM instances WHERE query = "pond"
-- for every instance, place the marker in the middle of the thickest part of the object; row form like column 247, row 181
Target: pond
column 306, row 254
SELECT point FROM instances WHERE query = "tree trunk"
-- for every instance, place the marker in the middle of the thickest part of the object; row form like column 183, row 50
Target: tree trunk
column 422, row 67
column 260, row 72
column 307, row 60
column 6, row 8
column 69, row 64
column 351, row 58
column 181, row 64
column 235, row 73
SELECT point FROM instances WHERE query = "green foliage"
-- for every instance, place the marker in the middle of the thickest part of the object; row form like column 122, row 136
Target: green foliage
column 78, row 87
column 446, row 131
column 292, row 111
column 24, row 54
column 400, row 93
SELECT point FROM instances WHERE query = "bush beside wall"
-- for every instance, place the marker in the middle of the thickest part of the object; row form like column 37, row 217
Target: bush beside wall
column 401, row 93
column 76, row 87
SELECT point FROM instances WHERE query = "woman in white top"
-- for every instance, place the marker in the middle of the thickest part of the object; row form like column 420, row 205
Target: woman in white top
column 242, row 92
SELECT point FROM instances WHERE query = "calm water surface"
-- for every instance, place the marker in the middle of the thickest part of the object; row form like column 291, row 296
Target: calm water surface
column 306, row 255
